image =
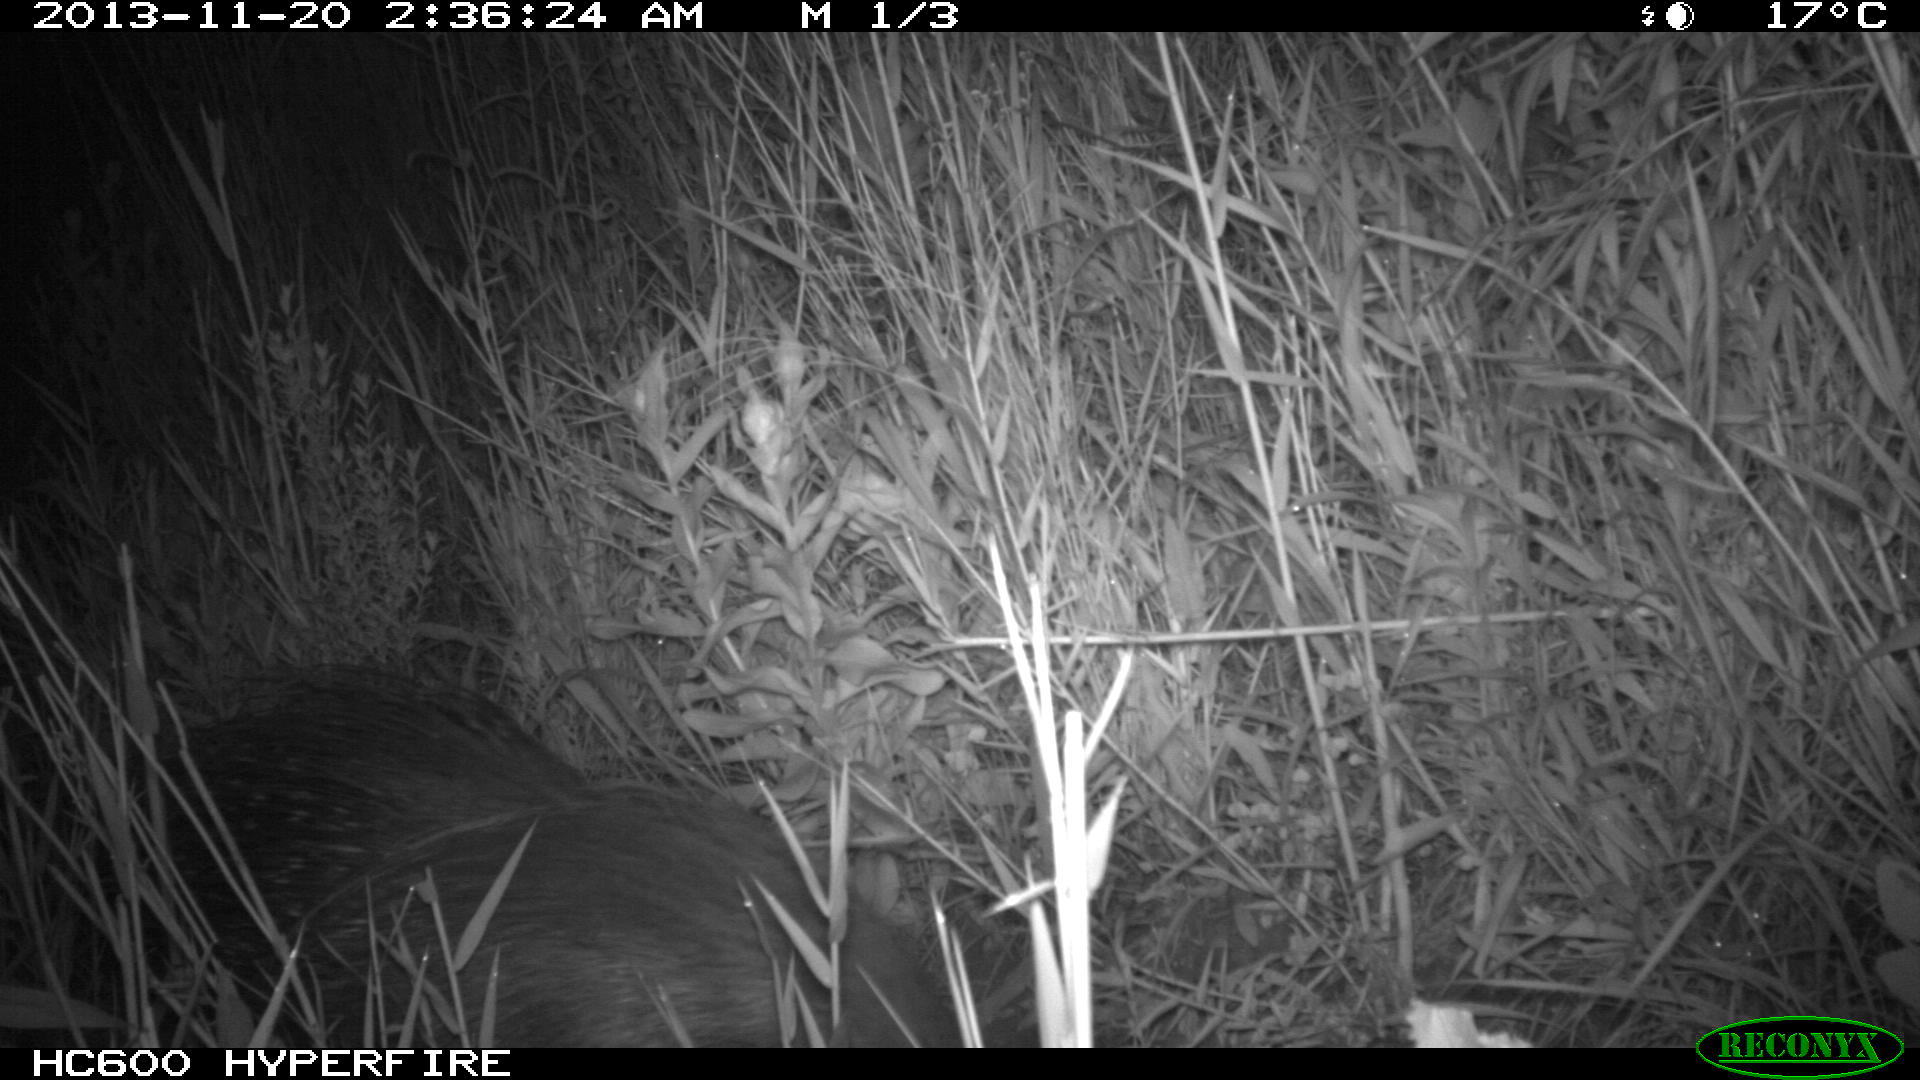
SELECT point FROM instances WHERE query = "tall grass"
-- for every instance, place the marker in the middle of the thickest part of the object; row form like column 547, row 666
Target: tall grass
column 1496, row 456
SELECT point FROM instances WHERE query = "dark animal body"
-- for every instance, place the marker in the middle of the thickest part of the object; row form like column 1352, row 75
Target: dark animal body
column 625, row 907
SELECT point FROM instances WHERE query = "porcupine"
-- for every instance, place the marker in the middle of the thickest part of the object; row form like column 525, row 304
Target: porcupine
column 344, row 787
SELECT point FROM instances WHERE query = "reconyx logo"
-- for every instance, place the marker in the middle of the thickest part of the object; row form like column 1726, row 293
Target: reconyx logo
column 1801, row 1047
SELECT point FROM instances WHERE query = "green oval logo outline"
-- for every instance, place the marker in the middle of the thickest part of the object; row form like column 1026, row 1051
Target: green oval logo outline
column 1829, row 1047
